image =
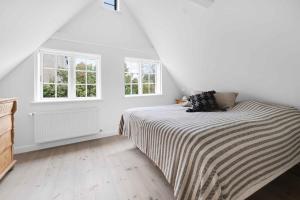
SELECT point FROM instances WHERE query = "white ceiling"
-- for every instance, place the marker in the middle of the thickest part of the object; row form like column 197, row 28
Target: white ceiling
column 248, row 46
column 26, row 24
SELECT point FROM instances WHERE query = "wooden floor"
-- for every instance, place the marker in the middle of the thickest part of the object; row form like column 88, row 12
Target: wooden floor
column 107, row 169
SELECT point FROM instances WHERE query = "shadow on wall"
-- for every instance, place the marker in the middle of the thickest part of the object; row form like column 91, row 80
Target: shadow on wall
column 205, row 3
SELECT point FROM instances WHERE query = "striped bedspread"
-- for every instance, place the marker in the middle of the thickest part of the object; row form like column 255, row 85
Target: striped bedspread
column 216, row 155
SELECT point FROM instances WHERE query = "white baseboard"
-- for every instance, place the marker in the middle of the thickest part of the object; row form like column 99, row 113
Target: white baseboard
column 35, row 147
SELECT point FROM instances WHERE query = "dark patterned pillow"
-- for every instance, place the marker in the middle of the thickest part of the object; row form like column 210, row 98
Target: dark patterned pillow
column 204, row 102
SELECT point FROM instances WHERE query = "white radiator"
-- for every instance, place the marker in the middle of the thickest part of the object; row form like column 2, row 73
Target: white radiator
column 63, row 124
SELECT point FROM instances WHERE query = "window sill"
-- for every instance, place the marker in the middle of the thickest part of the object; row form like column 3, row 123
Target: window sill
column 142, row 95
column 65, row 101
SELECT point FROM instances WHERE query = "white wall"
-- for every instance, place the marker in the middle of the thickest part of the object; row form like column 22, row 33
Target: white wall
column 97, row 25
column 249, row 46
column 20, row 82
column 25, row 25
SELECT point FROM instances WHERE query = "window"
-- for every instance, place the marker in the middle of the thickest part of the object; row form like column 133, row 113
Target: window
column 111, row 4
column 142, row 77
column 67, row 75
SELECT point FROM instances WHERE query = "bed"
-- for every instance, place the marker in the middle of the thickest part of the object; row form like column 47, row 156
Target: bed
column 217, row 155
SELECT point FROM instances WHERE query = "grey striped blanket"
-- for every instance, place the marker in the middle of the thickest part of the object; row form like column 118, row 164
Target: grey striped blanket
column 216, row 155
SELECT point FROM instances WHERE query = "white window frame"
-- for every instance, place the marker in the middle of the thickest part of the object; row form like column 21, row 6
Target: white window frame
column 115, row 9
column 38, row 91
column 158, row 77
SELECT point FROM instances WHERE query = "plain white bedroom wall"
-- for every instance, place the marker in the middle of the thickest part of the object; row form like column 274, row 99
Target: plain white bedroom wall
column 249, row 46
column 97, row 40
column 25, row 25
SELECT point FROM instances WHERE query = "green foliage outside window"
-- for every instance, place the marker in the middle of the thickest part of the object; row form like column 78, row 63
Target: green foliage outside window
column 152, row 78
column 62, row 90
column 91, row 77
column 91, row 67
column 140, row 77
column 55, row 76
column 81, row 66
column 48, row 90
column 145, row 78
column 127, row 89
column 131, row 82
column 127, row 78
column 88, row 77
column 148, row 83
column 145, row 88
column 80, row 77
column 80, row 90
column 135, row 78
column 152, row 88
column 135, row 89
column 91, row 90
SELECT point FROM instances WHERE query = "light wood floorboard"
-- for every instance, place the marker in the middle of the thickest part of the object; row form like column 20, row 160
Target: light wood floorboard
column 106, row 169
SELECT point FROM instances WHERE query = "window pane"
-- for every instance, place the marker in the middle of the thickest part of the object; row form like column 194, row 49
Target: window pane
column 80, row 78
column 80, row 64
column 152, row 89
column 145, row 78
column 132, row 71
column 135, row 78
column 127, row 78
column 110, row 4
column 62, row 90
column 91, row 90
column 63, row 62
column 61, row 71
column 91, row 77
column 145, row 88
column 62, row 76
column 135, row 89
column 127, row 89
column 80, row 91
column 91, row 65
column 48, row 90
column 139, row 71
column 148, row 68
column 49, row 75
column 132, row 67
column 152, row 78
column 49, row 61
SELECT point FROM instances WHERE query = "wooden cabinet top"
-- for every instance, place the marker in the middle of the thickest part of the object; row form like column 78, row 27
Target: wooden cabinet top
column 7, row 100
column 7, row 106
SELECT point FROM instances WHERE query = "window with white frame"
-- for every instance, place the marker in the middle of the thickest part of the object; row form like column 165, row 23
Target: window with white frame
column 142, row 77
column 67, row 75
column 111, row 4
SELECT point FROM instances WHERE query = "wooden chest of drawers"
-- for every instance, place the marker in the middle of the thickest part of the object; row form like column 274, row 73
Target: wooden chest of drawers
column 7, row 109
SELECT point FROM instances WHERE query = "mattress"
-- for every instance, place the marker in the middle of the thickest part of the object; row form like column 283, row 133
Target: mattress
column 217, row 155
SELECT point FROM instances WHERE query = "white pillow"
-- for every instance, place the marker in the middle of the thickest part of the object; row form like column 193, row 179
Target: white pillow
column 226, row 100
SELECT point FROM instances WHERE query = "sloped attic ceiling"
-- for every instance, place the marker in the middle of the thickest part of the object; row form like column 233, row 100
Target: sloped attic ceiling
column 249, row 46
column 26, row 24
column 97, row 25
